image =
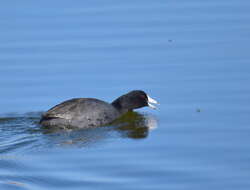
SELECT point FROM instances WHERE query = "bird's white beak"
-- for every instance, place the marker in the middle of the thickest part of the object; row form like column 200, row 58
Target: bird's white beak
column 151, row 101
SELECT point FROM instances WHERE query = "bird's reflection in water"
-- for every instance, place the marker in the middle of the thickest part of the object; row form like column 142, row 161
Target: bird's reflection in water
column 135, row 125
column 131, row 125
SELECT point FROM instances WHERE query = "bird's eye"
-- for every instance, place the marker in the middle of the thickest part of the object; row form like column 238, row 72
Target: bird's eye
column 142, row 96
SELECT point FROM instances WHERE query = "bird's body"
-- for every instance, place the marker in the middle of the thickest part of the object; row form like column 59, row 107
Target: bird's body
column 88, row 112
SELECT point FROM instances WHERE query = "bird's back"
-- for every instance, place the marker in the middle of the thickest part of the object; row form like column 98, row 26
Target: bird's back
column 80, row 112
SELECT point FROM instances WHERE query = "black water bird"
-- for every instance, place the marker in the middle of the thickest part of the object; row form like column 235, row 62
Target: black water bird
column 91, row 112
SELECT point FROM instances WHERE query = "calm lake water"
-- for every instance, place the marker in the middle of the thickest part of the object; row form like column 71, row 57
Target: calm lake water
column 192, row 56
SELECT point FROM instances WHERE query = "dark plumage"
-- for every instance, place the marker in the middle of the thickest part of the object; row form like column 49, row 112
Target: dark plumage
column 90, row 112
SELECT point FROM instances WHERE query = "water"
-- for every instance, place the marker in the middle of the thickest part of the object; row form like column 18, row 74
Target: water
column 191, row 56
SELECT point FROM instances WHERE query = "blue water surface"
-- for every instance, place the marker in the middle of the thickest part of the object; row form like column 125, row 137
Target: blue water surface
column 191, row 56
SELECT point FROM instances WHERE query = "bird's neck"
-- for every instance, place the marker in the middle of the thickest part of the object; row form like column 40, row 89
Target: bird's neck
column 119, row 106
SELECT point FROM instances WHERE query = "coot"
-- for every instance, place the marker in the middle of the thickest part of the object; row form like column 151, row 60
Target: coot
column 91, row 112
